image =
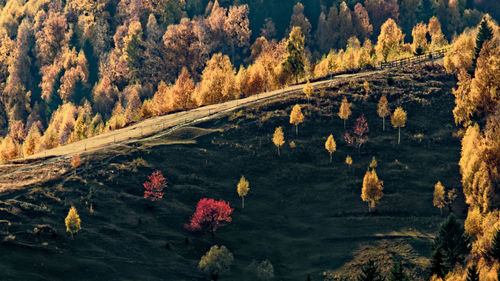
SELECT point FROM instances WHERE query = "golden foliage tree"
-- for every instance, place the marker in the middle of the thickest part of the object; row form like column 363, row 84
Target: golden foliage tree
column 278, row 138
column 439, row 200
column 372, row 189
column 398, row 120
column 345, row 110
column 308, row 90
column 9, row 149
column 330, row 146
column 73, row 222
column 216, row 261
column 419, row 34
column 243, row 188
column 383, row 109
column 390, row 41
column 296, row 117
column 218, row 81
column 33, row 140
column 348, row 161
column 373, row 163
column 76, row 161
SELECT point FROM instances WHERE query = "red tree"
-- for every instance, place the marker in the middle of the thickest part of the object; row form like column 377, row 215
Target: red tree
column 359, row 134
column 154, row 187
column 209, row 216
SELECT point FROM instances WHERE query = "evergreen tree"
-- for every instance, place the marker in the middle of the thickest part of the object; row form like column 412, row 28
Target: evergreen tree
column 295, row 61
column 472, row 274
column 485, row 33
column 495, row 246
column 437, row 263
column 452, row 243
column 397, row 273
column 425, row 10
column 370, row 273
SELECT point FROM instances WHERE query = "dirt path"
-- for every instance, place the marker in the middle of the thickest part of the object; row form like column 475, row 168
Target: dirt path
column 52, row 163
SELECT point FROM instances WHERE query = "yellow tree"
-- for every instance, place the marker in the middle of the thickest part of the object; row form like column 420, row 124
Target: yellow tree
column 398, row 120
column 76, row 162
column 390, row 41
column 419, row 33
column 243, row 188
column 345, row 110
column 372, row 189
column 296, row 117
column 374, row 163
column 348, row 161
column 8, row 149
column 439, row 196
column 308, row 90
column 383, row 109
column 73, row 222
column 278, row 138
column 331, row 146
column 32, row 142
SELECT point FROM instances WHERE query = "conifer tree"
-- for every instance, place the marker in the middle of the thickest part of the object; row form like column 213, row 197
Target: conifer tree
column 331, row 146
column 439, row 196
column 295, row 60
column 278, row 138
column 32, row 142
column 243, row 188
column 296, row 117
column 485, row 33
column 437, row 263
column 216, row 261
column 372, row 189
column 374, row 163
column 73, row 222
column 398, row 120
column 345, row 110
column 308, row 90
column 495, row 246
column 425, row 10
column 370, row 273
column 397, row 272
column 472, row 273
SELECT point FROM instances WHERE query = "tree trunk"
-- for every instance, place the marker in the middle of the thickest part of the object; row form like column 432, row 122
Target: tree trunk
column 278, row 150
column 399, row 134
column 383, row 124
column 242, row 202
column 297, row 130
column 344, row 124
column 369, row 207
column 296, row 79
column 330, row 158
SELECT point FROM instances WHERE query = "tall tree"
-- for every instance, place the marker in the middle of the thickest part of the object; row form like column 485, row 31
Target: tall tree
column 298, row 19
column 345, row 110
column 425, row 10
column 398, row 120
column 390, row 41
column 485, row 33
column 209, row 216
column 372, row 189
column 243, row 187
column 73, row 222
column 295, row 59
column 32, row 142
column 296, row 117
column 383, row 109
column 330, row 146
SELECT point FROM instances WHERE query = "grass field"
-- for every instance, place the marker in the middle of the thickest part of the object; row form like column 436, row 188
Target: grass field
column 303, row 214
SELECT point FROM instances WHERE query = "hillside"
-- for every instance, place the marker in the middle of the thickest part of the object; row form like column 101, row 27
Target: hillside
column 303, row 214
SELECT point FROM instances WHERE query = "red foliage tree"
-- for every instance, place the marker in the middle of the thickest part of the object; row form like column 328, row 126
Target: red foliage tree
column 209, row 216
column 154, row 187
column 359, row 135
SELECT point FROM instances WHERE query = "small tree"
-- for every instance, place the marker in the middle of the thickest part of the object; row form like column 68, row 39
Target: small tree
column 472, row 274
column 216, row 261
column 397, row 272
column 209, row 216
column 243, row 188
column 278, row 138
column 372, row 189
column 265, row 270
column 360, row 132
column 345, row 110
column 330, row 146
column 451, row 195
column 370, row 273
column 154, row 186
column 383, row 110
column 72, row 222
column 398, row 120
column 296, row 117
column 495, row 246
column 439, row 196
column 374, row 163
column 76, row 162
column 366, row 86
column 308, row 90
column 348, row 161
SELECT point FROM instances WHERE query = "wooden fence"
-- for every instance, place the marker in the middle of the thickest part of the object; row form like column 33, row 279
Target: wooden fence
column 415, row 59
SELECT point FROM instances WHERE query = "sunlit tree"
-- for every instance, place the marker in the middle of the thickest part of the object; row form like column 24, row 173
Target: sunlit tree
column 278, row 138
column 296, row 117
column 243, row 188
column 345, row 110
column 330, row 146
column 73, row 222
column 383, row 109
column 398, row 120
column 439, row 200
column 372, row 189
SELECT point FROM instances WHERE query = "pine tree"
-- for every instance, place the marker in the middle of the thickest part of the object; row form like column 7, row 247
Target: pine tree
column 397, row 272
column 32, row 142
column 425, row 10
column 495, row 246
column 398, row 120
column 345, row 110
column 278, row 138
column 295, row 61
column 372, row 189
column 472, row 274
column 243, row 188
column 296, row 117
column 439, row 196
column 485, row 33
column 330, row 146
column 73, row 222
column 370, row 273
column 437, row 263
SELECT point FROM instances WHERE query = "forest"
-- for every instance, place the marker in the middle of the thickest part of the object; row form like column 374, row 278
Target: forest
column 75, row 69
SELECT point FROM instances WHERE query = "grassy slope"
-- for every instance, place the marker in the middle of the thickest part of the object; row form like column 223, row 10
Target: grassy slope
column 303, row 214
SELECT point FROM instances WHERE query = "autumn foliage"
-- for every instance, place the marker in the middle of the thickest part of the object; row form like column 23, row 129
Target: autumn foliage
column 209, row 216
column 154, row 186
